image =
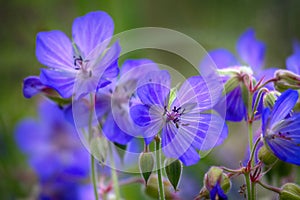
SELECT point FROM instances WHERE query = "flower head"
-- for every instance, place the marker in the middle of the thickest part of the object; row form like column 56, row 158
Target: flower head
column 112, row 103
column 281, row 128
column 251, row 53
column 178, row 115
column 54, row 152
column 85, row 63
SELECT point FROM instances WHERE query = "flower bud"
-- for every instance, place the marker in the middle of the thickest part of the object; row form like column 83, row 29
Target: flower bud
column 212, row 179
column 286, row 79
column 173, row 170
column 266, row 156
column 99, row 148
column 151, row 189
column 270, row 98
column 213, row 175
column 290, row 191
column 146, row 164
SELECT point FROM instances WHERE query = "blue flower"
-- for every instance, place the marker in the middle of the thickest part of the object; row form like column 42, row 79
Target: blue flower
column 179, row 115
column 252, row 53
column 84, row 64
column 217, row 193
column 293, row 61
column 112, row 103
column 54, row 152
column 281, row 128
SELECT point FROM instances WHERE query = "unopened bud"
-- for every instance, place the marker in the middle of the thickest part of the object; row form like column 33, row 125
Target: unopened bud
column 286, row 79
column 214, row 176
column 152, row 190
column 173, row 170
column 270, row 98
column 146, row 165
column 99, row 148
column 290, row 191
column 211, row 178
column 267, row 157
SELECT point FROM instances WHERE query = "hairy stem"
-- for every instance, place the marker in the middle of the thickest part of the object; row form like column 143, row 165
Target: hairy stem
column 94, row 177
column 158, row 165
column 115, row 177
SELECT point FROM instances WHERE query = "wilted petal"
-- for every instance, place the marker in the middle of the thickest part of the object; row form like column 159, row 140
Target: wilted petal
column 54, row 49
column 91, row 30
column 251, row 50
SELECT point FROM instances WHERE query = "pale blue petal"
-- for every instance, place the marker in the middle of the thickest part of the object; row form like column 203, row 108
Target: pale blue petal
column 91, row 30
column 251, row 50
column 54, row 49
column 61, row 81
column 283, row 106
column 222, row 58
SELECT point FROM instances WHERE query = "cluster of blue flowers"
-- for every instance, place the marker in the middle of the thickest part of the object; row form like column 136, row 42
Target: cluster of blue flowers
column 136, row 100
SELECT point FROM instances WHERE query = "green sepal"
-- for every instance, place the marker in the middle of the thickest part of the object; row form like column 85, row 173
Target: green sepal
column 173, row 168
column 230, row 85
column 290, row 191
column 99, row 148
column 121, row 149
column 60, row 101
column 146, row 165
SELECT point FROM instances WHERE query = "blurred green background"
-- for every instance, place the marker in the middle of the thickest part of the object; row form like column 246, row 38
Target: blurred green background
column 212, row 23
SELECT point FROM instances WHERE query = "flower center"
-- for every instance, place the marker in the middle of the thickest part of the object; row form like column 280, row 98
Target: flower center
column 80, row 64
column 174, row 115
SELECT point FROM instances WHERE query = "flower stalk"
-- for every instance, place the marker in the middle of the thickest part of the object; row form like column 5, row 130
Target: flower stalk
column 158, row 165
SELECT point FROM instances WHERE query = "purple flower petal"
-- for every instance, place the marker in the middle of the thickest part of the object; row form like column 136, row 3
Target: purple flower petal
column 251, row 50
column 140, row 115
column 214, row 130
column 112, row 131
column 32, row 86
column 154, row 88
column 235, row 110
column 134, row 69
column 54, row 49
column 222, row 58
column 206, row 93
column 293, row 61
column 30, row 137
column 107, row 69
column 175, row 144
column 91, row 30
column 283, row 106
column 217, row 193
column 285, row 140
column 61, row 81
